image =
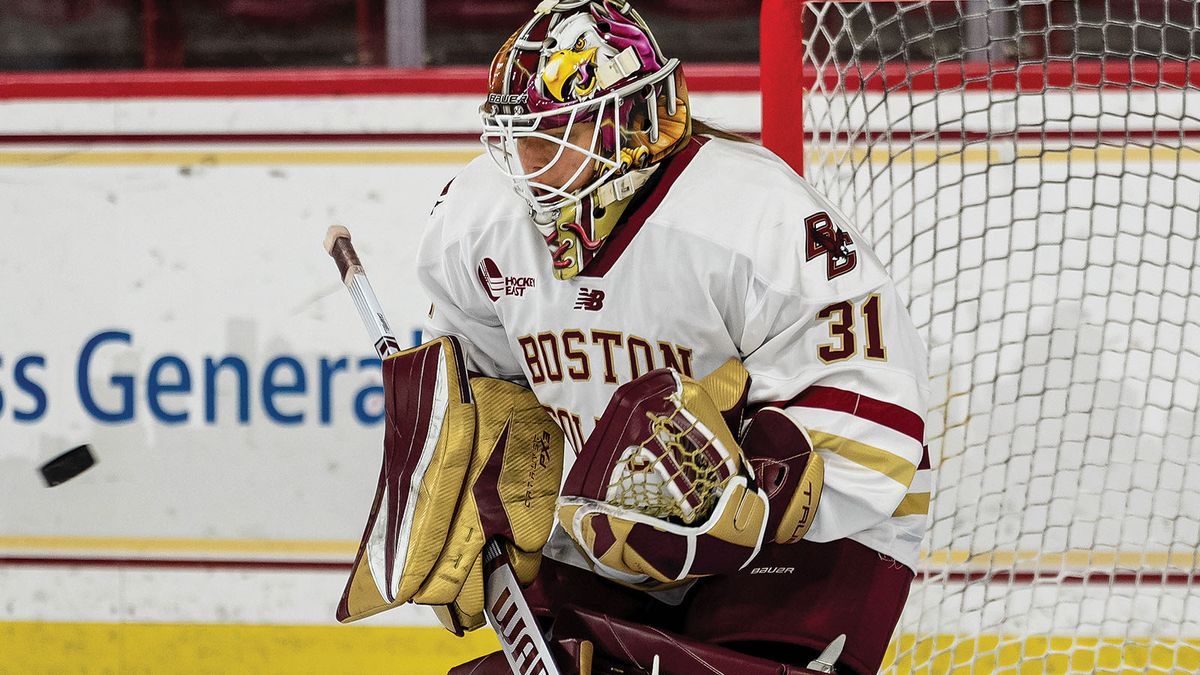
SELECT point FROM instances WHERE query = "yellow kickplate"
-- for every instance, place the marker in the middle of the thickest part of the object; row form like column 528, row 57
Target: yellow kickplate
column 28, row 648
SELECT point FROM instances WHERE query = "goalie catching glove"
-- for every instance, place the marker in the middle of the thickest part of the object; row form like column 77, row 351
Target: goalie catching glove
column 465, row 459
column 662, row 492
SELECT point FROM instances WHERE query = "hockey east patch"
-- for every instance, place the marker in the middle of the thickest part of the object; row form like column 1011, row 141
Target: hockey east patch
column 496, row 285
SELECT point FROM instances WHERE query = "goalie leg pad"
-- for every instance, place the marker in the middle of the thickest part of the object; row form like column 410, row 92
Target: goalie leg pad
column 464, row 460
column 495, row 663
column 805, row 594
column 428, row 436
column 619, row 646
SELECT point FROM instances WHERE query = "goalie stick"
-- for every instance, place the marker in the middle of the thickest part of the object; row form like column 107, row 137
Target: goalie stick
column 338, row 246
column 505, row 606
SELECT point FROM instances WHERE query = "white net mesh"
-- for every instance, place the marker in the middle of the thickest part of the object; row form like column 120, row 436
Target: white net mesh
column 1030, row 173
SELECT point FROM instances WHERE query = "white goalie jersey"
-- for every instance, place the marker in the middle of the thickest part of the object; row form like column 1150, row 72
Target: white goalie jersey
column 728, row 253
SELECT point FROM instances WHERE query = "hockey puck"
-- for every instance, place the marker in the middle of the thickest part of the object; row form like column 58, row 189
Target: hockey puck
column 68, row 465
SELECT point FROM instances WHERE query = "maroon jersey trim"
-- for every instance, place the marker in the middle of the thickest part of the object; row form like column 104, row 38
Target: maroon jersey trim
column 643, row 207
column 882, row 413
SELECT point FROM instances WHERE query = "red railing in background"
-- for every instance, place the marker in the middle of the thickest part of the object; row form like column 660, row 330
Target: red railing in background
column 307, row 82
column 779, row 79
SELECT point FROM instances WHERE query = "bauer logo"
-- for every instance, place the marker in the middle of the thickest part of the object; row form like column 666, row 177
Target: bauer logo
column 495, row 284
column 773, row 570
column 508, row 99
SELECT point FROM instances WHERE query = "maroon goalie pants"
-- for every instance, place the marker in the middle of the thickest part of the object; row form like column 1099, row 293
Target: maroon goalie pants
column 786, row 605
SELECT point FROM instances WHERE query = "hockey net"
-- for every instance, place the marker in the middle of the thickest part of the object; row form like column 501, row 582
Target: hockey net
column 1030, row 174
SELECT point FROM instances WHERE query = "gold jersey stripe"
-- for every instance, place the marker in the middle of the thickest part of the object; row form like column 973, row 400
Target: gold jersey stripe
column 913, row 504
column 873, row 458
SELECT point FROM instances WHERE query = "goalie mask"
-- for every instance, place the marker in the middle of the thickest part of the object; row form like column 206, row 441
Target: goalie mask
column 586, row 85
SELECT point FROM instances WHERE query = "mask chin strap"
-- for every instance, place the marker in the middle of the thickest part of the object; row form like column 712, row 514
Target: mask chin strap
column 546, row 221
column 616, row 190
column 622, row 187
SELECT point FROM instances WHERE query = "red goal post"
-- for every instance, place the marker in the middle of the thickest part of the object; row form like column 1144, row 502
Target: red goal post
column 1030, row 174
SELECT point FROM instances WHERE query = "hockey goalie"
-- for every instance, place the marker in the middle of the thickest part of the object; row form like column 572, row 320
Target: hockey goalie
column 700, row 345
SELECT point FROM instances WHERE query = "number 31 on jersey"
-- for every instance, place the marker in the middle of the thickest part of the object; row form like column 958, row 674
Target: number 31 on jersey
column 841, row 319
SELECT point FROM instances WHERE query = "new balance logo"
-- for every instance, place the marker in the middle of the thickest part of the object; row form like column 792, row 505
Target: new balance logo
column 590, row 300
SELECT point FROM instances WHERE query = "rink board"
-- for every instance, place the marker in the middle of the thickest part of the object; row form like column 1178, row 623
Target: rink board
column 211, row 648
column 218, row 521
